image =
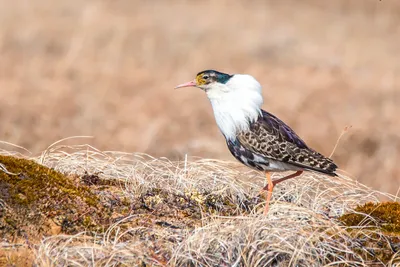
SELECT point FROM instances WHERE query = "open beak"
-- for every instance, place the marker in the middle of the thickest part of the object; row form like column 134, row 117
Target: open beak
column 188, row 84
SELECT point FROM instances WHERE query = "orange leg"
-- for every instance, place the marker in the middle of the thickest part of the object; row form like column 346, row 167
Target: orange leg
column 269, row 187
column 293, row 175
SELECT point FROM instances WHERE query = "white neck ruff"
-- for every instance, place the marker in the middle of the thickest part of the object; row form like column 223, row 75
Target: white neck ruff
column 236, row 104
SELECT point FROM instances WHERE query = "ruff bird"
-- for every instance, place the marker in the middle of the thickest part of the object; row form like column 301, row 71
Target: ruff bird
column 254, row 136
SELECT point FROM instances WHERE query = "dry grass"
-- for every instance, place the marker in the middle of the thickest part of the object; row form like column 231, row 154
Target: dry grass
column 301, row 228
column 107, row 69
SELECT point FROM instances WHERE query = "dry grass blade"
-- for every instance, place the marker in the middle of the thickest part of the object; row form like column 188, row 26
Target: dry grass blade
column 4, row 169
column 17, row 146
column 42, row 158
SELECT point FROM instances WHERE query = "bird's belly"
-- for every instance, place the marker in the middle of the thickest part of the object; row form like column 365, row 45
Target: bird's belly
column 259, row 162
column 277, row 166
column 268, row 165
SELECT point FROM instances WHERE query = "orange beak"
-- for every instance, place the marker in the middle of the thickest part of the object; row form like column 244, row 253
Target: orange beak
column 188, row 84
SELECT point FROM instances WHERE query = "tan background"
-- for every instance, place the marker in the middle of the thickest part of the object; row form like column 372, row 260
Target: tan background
column 108, row 68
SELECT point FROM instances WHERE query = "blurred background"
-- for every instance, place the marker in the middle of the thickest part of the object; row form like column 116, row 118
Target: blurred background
column 108, row 69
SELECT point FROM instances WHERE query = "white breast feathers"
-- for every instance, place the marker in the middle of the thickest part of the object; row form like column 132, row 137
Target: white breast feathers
column 236, row 104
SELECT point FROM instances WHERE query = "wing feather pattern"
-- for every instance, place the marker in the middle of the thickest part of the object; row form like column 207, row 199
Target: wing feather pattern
column 271, row 138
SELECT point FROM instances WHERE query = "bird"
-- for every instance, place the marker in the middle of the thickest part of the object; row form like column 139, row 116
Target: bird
column 255, row 137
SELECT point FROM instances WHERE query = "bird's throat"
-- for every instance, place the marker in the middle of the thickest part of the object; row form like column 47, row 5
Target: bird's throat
column 234, row 113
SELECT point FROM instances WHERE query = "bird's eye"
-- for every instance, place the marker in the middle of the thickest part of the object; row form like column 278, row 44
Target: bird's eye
column 205, row 77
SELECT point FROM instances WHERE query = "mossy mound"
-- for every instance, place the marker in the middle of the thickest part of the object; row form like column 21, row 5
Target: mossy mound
column 376, row 227
column 39, row 200
column 384, row 216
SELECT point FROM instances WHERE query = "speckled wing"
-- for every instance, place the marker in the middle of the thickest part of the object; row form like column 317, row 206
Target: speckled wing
column 271, row 138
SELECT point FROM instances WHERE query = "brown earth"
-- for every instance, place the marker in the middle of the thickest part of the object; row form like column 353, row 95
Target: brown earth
column 108, row 68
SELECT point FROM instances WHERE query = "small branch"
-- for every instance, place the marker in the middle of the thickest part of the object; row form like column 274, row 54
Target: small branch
column 340, row 137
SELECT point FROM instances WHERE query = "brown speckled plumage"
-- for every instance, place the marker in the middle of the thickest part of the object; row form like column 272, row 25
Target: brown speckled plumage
column 269, row 141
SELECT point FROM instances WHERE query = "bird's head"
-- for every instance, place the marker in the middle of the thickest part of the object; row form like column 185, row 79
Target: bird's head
column 207, row 80
column 236, row 99
column 231, row 87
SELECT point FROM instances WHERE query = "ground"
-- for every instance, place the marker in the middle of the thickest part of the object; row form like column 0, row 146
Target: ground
column 101, row 208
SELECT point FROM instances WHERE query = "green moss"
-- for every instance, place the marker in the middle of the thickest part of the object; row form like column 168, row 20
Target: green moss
column 384, row 216
column 11, row 222
column 34, row 182
column 34, row 194
column 87, row 222
column 379, row 238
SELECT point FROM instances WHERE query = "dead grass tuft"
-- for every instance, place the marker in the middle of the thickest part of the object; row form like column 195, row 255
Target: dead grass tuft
column 202, row 212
